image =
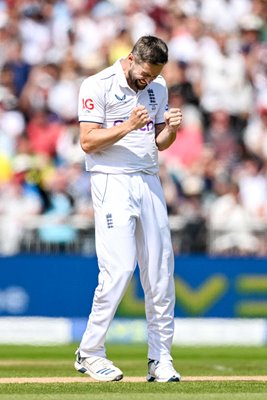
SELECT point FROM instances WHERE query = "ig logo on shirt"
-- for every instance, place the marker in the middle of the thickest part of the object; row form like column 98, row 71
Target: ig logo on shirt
column 88, row 104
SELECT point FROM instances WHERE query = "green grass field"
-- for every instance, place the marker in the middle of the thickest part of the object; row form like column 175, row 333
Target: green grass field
column 57, row 361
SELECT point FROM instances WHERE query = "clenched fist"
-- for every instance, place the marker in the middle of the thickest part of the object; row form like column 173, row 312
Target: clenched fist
column 139, row 117
column 173, row 119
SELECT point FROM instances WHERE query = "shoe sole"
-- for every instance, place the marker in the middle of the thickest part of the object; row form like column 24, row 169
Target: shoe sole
column 151, row 378
column 84, row 370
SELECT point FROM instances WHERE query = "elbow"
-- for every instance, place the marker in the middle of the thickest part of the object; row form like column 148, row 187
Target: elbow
column 87, row 144
column 165, row 143
column 86, row 147
column 163, row 146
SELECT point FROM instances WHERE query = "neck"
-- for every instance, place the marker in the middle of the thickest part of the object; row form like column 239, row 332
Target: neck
column 125, row 67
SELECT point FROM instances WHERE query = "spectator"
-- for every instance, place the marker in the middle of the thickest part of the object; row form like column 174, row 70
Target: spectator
column 252, row 179
column 18, row 205
column 223, row 73
column 56, row 227
column 222, row 138
column 224, row 14
column 61, row 98
column 232, row 226
column 12, row 126
column 43, row 132
column 255, row 133
column 34, row 32
column 120, row 46
column 41, row 80
column 19, row 68
column 170, row 188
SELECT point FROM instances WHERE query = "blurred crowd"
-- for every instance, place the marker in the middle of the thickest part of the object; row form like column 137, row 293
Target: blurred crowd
column 215, row 174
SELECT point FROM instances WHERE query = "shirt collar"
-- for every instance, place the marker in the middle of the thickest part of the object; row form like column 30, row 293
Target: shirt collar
column 120, row 74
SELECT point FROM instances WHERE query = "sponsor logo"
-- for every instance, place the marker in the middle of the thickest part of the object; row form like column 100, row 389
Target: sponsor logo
column 120, row 98
column 88, row 104
column 147, row 128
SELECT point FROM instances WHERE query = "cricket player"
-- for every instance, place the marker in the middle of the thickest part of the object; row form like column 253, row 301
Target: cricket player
column 124, row 122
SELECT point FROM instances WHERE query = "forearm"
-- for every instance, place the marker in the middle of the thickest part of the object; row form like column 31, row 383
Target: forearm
column 165, row 138
column 93, row 138
column 166, row 134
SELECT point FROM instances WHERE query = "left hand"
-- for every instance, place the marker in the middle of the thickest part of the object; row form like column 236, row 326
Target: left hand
column 173, row 119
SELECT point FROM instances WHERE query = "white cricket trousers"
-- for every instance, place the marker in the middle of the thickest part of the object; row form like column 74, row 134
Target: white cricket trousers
column 131, row 225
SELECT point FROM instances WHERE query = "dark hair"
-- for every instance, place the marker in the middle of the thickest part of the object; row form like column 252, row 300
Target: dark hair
column 151, row 50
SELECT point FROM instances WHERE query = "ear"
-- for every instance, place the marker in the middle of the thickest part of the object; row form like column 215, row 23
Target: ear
column 130, row 57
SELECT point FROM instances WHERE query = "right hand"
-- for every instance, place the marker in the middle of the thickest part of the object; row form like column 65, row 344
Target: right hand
column 139, row 117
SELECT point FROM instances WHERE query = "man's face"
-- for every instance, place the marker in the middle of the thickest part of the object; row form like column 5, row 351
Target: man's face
column 141, row 74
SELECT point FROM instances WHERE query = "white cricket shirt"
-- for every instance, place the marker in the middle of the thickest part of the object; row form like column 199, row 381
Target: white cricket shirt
column 105, row 98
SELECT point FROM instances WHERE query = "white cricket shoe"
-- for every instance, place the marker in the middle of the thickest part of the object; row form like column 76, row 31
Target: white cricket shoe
column 99, row 368
column 162, row 371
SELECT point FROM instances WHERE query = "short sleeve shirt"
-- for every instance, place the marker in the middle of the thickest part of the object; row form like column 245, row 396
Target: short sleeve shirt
column 105, row 98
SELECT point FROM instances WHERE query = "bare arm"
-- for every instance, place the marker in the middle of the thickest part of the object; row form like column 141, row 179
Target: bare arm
column 94, row 138
column 166, row 133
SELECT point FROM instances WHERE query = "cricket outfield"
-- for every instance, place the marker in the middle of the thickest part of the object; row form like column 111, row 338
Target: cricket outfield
column 46, row 372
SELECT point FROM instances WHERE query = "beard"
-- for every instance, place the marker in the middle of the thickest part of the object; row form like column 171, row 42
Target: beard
column 134, row 83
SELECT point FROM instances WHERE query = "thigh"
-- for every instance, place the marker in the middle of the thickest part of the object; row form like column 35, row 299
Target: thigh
column 114, row 221
column 154, row 246
column 154, row 203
